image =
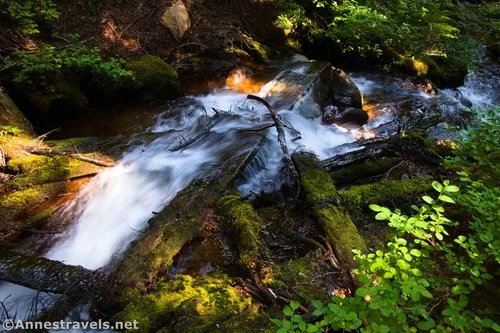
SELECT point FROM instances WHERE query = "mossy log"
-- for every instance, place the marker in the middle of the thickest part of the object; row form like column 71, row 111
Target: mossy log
column 75, row 282
column 320, row 193
column 414, row 146
column 385, row 192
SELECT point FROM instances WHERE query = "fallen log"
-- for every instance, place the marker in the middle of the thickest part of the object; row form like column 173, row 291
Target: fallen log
column 413, row 147
column 75, row 282
column 39, row 151
column 291, row 177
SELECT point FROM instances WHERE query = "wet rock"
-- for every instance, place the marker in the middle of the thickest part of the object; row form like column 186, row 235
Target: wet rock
column 313, row 85
column 344, row 116
column 176, row 19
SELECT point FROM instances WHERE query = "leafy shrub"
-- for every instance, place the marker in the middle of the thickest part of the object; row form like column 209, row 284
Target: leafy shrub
column 48, row 62
column 423, row 280
column 366, row 27
column 29, row 14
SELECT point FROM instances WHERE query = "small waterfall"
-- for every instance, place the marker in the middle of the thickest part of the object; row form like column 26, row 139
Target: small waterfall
column 115, row 206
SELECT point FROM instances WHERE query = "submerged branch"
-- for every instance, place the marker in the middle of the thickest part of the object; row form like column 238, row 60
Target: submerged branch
column 291, row 175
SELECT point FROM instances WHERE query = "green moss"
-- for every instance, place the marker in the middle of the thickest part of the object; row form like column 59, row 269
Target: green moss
column 300, row 276
column 246, row 225
column 153, row 78
column 352, row 173
column 257, row 50
column 189, row 305
column 340, row 231
column 314, row 180
column 30, row 196
column 41, row 169
column 10, row 115
column 321, row 194
column 387, row 192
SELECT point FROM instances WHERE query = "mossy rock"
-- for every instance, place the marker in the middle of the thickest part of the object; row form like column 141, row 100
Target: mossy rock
column 10, row 115
column 186, row 304
column 446, row 72
column 41, row 169
column 153, row 78
column 387, row 192
column 63, row 96
column 257, row 51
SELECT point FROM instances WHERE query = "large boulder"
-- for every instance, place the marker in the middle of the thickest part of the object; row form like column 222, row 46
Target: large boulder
column 153, row 78
column 316, row 86
column 176, row 19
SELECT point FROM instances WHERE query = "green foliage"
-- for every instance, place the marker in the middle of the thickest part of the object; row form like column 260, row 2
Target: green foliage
column 366, row 27
column 424, row 278
column 9, row 130
column 48, row 62
column 28, row 15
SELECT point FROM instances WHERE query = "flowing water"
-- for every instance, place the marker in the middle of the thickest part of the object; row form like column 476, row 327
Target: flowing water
column 113, row 209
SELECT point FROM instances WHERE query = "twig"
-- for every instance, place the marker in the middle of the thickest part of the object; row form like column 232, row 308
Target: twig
column 136, row 20
column 37, row 151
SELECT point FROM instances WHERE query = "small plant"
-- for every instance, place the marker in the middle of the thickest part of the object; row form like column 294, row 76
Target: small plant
column 9, row 130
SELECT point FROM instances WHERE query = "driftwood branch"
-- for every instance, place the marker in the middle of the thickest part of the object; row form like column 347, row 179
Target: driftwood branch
column 39, row 151
column 291, row 175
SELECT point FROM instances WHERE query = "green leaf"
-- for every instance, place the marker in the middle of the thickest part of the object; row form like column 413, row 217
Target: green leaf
column 428, row 199
column 446, row 198
column 302, row 326
column 311, row 328
column 286, row 324
column 282, row 330
column 294, row 305
column 362, row 292
column 382, row 216
column 287, row 311
column 425, row 293
column 452, row 189
column 375, row 208
column 296, row 318
column 427, row 324
column 415, row 253
column 437, row 186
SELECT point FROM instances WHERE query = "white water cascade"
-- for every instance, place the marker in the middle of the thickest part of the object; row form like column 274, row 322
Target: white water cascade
column 113, row 209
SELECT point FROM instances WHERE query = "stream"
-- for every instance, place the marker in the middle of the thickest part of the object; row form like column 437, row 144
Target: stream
column 113, row 209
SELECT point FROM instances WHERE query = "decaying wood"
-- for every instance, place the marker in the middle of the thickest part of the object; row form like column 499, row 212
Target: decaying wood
column 291, row 175
column 407, row 147
column 75, row 282
column 39, row 151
